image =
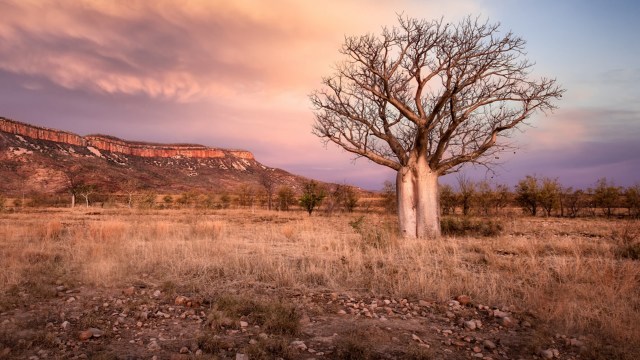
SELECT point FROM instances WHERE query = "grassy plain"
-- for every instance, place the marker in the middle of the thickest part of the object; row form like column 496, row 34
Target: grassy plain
column 578, row 277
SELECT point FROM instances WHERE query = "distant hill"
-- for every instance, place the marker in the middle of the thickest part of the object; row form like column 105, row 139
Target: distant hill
column 43, row 160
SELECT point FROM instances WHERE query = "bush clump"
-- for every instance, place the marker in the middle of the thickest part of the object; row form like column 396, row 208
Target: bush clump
column 470, row 227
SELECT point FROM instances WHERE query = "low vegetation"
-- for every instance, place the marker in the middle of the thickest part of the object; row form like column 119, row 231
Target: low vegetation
column 577, row 276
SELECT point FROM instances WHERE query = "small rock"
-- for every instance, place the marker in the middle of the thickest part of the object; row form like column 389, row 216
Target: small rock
column 463, row 299
column 85, row 335
column 470, row 325
column 181, row 300
column 478, row 355
column 342, row 312
column 240, row 356
column 488, row 344
column 253, row 341
column 500, row 314
column 153, row 346
column 198, row 352
column 244, row 324
column 575, row 342
column 526, row 324
column 96, row 332
column 334, row 296
column 157, row 293
column 546, row 354
column 507, row 322
column 416, row 338
column 130, row 291
column 299, row 345
column 64, row 325
column 424, row 303
column 263, row 336
column 476, row 349
column 184, row 350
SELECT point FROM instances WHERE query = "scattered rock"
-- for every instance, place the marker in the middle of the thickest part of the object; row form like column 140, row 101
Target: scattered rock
column 299, row 345
column 96, row 332
column 463, row 299
column 546, row 354
column 181, row 300
column 416, row 338
column 470, row 325
column 85, row 335
column 64, row 325
column 507, row 322
column 240, row 356
column 153, row 346
column 157, row 293
column 342, row 312
column 500, row 314
column 488, row 344
column 476, row 349
column 184, row 350
column 130, row 291
column 244, row 324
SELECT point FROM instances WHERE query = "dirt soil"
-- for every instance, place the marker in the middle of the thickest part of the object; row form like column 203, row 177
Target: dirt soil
column 145, row 321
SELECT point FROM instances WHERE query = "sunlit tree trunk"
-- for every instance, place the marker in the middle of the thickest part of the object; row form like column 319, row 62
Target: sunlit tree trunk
column 418, row 208
column 406, row 202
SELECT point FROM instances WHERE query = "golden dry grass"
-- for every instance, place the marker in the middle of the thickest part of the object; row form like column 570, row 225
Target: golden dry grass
column 566, row 273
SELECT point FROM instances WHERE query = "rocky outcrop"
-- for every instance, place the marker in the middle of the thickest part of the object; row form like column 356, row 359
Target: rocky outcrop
column 113, row 144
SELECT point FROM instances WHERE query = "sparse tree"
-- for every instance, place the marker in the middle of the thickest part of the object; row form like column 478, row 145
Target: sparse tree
column 286, row 198
column 389, row 198
column 225, row 200
column 85, row 190
column 502, row 197
column 632, row 200
column 346, row 197
column 425, row 98
column 606, row 196
column 548, row 195
column 574, row 202
column 269, row 187
column 447, row 199
column 484, row 197
column 466, row 193
column 528, row 194
column 312, row 196
column 130, row 187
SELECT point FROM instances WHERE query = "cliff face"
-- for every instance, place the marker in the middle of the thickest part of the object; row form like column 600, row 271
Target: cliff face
column 115, row 145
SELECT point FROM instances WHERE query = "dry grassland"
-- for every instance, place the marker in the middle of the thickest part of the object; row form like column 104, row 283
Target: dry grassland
column 571, row 275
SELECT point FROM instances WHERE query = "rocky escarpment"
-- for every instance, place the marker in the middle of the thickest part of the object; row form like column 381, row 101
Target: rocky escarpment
column 113, row 144
column 42, row 160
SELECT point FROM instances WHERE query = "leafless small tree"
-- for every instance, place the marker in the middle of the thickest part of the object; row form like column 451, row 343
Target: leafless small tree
column 425, row 98
column 269, row 187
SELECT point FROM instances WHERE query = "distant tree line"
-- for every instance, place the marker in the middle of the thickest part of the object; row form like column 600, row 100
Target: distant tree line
column 534, row 196
column 310, row 196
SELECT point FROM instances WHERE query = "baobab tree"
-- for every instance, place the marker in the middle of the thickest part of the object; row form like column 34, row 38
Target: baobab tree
column 425, row 98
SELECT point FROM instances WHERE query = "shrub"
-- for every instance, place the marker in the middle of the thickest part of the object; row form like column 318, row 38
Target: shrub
column 470, row 227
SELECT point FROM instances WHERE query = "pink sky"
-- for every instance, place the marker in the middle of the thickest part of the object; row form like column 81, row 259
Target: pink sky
column 237, row 74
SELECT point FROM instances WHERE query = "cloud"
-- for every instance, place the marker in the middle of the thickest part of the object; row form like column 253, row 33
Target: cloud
column 183, row 51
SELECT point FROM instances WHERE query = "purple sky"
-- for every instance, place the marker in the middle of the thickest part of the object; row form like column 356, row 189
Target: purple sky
column 237, row 75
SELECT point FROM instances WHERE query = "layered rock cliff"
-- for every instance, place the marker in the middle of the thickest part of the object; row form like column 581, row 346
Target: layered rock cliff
column 113, row 144
column 42, row 160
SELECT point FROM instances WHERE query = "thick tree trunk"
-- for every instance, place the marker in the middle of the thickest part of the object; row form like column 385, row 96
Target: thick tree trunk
column 406, row 202
column 418, row 206
column 428, row 214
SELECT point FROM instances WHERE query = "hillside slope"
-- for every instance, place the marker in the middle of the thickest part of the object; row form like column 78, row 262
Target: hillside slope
column 37, row 159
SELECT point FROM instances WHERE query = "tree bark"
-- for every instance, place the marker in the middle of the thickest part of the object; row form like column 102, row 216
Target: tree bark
column 428, row 205
column 418, row 205
column 406, row 202
column 73, row 200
